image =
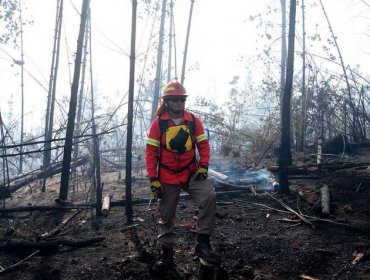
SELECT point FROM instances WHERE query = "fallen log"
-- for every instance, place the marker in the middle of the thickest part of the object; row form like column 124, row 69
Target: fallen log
column 218, row 175
column 53, row 244
column 312, row 168
column 57, row 229
column 232, row 185
column 113, row 203
column 48, row 208
column 41, row 175
column 250, row 181
column 116, row 165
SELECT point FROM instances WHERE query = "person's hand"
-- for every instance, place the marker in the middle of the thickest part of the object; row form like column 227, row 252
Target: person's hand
column 156, row 188
column 202, row 173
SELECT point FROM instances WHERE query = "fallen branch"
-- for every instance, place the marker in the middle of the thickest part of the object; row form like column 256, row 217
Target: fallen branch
column 2, row 270
column 47, row 208
column 288, row 220
column 313, row 219
column 270, row 208
column 293, row 211
column 312, row 168
column 57, row 229
column 53, row 244
column 358, row 187
column 40, row 175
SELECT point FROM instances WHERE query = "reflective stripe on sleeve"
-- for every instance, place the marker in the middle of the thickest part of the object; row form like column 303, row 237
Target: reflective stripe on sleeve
column 201, row 137
column 152, row 142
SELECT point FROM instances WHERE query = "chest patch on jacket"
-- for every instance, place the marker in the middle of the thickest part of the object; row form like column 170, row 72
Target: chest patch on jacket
column 178, row 139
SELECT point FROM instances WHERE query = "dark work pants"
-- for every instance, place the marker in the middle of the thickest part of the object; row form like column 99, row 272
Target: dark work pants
column 202, row 193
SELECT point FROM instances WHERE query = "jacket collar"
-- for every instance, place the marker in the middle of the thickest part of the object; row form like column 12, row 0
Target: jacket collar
column 187, row 116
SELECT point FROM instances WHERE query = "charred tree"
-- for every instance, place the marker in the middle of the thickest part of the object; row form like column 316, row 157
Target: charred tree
column 304, row 102
column 187, row 43
column 130, row 114
column 22, row 90
column 27, row 179
column 169, row 68
column 363, row 111
column 96, row 144
column 158, row 75
column 80, row 97
column 321, row 112
column 5, row 159
column 63, row 193
column 285, row 156
column 49, row 119
column 283, row 47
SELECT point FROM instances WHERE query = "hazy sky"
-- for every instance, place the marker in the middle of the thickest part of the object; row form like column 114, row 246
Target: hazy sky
column 220, row 34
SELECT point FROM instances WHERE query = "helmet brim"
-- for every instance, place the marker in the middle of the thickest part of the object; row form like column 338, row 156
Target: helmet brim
column 178, row 95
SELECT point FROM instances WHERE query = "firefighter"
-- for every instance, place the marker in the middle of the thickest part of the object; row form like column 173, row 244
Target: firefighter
column 172, row 166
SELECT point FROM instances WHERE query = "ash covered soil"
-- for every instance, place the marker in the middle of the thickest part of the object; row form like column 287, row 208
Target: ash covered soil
column 257, row 235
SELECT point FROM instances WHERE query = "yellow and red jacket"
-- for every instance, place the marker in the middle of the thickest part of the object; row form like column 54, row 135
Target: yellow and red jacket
column 167, row 164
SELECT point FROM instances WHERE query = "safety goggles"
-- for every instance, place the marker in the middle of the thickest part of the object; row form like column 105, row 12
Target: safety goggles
column 176, row 99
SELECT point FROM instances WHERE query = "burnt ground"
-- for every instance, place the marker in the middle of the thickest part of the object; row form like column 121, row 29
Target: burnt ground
column 258, row 237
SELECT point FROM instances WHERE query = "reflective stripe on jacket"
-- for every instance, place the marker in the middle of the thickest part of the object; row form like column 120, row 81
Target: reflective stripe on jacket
column 175, row 167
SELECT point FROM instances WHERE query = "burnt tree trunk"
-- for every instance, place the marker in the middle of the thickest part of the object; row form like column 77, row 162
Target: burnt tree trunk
column 49, row 119
column 283, row 48
column 130, row 114
column 4, row 190
column 22, row 91
column 304, row 97
column 158, row 75
column 170, row 40
column 187, row 43
column 63, row 193
column 80, row 99
column 96, row 193
column 285, row 156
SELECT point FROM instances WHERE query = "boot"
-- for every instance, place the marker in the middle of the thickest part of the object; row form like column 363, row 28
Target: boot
column 166, row 262
column 204, row 250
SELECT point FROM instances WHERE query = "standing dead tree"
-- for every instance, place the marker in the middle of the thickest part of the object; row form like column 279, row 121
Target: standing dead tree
column 96, row 147
column 285, row 156
column 22, row 87
column 63, row 193
column 49, row 119
column 158, row 75
column 5, row 161
column 187, row 42
column 302, row 135
column 80, row 97
column 130, row 115
column 283, row 46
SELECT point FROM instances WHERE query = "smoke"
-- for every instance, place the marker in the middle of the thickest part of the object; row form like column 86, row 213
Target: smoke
column 261, row 180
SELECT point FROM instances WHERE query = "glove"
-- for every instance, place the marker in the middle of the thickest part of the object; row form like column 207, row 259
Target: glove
column 202, row 173
column 156, row 188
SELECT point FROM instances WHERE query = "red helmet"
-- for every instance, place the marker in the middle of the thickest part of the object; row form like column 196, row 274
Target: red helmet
column 174, row 89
